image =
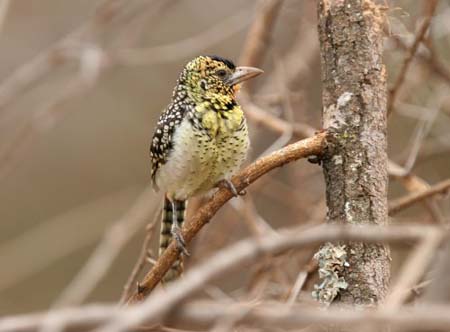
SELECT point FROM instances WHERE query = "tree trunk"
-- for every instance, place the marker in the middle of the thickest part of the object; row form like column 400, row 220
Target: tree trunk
column 355, row 165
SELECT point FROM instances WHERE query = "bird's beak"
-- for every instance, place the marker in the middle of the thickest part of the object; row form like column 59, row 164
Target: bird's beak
column 242, row 74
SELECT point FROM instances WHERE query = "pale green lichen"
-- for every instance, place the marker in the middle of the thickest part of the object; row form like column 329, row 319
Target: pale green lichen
column 332, row 261
column 344, row 99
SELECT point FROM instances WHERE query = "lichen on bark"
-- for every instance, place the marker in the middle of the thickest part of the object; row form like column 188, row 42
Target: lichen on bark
column 354, row 114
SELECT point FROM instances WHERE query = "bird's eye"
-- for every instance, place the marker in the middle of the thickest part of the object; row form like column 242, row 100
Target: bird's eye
column 221, row 73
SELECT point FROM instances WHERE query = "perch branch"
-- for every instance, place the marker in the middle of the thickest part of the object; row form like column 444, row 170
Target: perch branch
column 290, row 153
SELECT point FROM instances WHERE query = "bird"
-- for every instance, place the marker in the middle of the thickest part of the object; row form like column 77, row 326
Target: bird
column 200, row 141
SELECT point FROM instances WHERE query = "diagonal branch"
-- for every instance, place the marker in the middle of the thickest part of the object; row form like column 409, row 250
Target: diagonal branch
column 403, row 202
column 301, row 149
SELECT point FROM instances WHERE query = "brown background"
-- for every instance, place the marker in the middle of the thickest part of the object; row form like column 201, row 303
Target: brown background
column 82, row 166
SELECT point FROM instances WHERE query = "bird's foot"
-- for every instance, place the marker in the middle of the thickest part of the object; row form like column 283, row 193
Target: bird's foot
column 315, row 159
column 178, row 236
column 226, row 183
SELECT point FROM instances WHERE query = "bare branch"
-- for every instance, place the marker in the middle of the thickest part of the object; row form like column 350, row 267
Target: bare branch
column 431, row 7
column 142, row 259
column 259, row 35
column 299, row 283
column 171, row 52
column 258, row 38
column 4, row 6
column 278, row 316
column 414, row 268
column 161, row 301
column 154, row 309
column 270, row 314
column 400, row 204
column 70, row 47
column 413, row 183
column 439, row 290
column 290, row 153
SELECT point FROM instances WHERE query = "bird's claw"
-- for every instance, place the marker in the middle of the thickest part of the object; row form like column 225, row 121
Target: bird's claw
column 226, row 183
column 181, row 244
column 315, row 159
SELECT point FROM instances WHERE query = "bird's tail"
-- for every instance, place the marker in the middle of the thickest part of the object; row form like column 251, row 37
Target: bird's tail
column 166, row 234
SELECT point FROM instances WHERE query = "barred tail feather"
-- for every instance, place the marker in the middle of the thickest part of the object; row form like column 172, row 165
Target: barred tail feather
column 166, row 235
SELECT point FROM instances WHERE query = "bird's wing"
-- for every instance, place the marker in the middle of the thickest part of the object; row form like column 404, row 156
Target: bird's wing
column 162, row 141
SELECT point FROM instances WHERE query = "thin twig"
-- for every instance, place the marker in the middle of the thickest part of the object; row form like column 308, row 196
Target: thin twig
column 286, row 136
column 70, row 47
column 269, row 315
column 439, row 290
column 413, row 183
column 431, row 62
column 93, row 60
column 258, row 37
column 274, row 315
column 299, row 283
column 431, row 7
column 255, row 223
column 300, row 130
column 227, row 323
column 142, row 260
column 4, row 6
column 197, row 43
column 259, row 116
column 402, row 203
column 414, row 268
column 421, row 131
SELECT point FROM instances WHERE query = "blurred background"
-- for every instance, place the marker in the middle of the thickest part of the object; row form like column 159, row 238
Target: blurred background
column 83, row 83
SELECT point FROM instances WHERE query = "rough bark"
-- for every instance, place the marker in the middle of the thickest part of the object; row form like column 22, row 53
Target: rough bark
column 355, row 166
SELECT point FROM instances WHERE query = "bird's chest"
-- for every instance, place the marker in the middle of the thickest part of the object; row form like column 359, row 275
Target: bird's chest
column 198, row 160
column 212, row 141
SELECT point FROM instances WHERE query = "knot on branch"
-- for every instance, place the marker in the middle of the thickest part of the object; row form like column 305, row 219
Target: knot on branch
column 336, row 140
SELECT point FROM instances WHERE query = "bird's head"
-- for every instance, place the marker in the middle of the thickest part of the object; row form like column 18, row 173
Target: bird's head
column 213, row 75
